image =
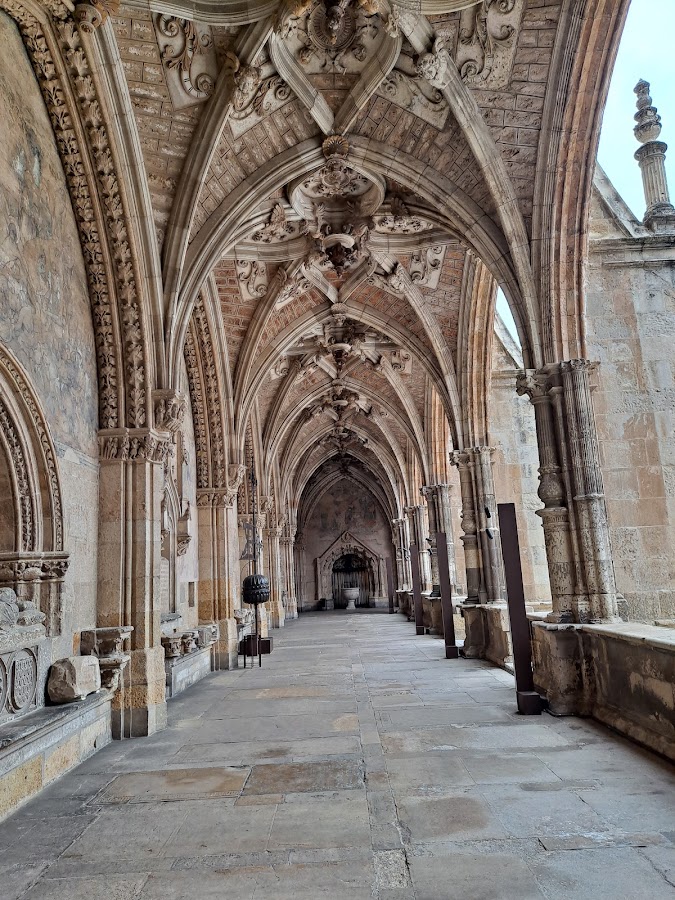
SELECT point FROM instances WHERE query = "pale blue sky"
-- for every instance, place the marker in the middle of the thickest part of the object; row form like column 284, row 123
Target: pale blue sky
column 647, row 51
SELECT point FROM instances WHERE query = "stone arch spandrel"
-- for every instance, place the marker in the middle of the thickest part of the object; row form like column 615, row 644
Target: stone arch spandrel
column 122, row 286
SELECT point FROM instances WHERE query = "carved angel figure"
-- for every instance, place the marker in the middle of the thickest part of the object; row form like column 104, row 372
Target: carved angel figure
column 435, row 66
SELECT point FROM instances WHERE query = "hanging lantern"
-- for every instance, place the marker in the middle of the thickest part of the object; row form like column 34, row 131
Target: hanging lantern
column 256, row 589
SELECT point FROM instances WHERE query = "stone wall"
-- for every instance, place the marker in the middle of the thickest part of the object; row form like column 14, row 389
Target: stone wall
column 343, row 507
column 630, row 318
column 45, row 319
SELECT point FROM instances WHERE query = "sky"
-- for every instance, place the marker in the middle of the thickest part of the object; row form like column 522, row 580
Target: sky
column 647, row 51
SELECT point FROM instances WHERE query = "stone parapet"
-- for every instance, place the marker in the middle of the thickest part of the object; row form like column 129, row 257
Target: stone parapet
column 622, row 675
column 488, row 633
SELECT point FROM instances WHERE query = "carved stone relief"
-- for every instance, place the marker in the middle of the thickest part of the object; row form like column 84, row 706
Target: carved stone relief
column 426, row 266
column 252, row 278
column 189, row 57
column 21, row 633
column 332, row 37
column 259, row 92
column 417, row 96
column 487, row 42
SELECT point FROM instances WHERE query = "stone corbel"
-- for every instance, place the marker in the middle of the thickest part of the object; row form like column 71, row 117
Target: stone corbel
column 169, row 409
column 108, row 645
column 173, row 646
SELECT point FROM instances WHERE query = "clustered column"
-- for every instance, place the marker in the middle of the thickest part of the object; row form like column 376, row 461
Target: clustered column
column 575, row 520
column 463, row 459
column 276, row 607
column 428, row 492
column 288, row 556
column 440, row 519
column 402, row 545
column 488, row 524
column 418, row 529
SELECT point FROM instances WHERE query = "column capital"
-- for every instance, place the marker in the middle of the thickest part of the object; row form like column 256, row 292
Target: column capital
column 218, row 498
column 535, row 383
column 134, row 444
column 460, row 458
column 168, row 409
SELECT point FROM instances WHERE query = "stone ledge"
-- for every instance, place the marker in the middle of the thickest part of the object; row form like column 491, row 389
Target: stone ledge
column 38, row 748
column 637, row 634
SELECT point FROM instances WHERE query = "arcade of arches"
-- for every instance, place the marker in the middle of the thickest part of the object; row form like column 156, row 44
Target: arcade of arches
column 273, row 235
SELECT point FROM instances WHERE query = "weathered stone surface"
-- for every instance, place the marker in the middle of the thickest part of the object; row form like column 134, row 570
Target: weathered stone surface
column 73, row 678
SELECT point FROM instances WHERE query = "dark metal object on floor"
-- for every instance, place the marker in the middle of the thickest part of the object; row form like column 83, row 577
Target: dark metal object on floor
column 417, row 589
column 529, row 701
column 256, row 588
column 390, row 584
column 451, row 648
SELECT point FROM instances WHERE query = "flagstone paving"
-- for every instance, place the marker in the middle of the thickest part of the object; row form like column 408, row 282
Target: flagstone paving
column 357, row 763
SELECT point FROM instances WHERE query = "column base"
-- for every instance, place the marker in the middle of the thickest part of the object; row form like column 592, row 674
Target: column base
column 139, row 707
column 224, row 653
column 277, row 614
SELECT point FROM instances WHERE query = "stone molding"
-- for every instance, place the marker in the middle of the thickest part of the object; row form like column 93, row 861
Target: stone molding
column 40, row 452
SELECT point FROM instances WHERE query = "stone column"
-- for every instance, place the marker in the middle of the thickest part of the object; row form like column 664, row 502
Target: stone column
column 464, row 462
column 288, row 568
column 555, row 515
column 440, row 519
column 218, row 571
column 298, row 572
column 276, row 606
column 131, row 485
column 488, row 524
column 589, row 495
column 402, row 544
column 651, row 156
column 419, row 529
column 429, row 493
column 575, row 520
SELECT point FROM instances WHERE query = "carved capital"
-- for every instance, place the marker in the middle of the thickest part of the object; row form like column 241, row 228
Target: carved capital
column 134, row 445
column 169, row 409
column 534, row 384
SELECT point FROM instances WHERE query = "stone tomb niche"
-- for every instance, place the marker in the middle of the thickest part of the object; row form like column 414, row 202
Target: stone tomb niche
column 353, row 571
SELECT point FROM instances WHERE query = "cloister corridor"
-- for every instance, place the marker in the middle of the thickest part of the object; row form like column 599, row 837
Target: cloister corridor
column 357, row 763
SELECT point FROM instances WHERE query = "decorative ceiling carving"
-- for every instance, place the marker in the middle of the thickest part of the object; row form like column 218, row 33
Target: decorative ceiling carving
column 189, row 57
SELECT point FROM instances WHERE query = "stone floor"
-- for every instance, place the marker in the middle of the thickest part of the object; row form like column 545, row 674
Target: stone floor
column 357, row 763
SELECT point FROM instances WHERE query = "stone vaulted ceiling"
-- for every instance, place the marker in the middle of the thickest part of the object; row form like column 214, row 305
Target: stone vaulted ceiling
column 349, row 179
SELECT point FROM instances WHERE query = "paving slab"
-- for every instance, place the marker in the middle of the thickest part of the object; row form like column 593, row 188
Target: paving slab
column 357, row 764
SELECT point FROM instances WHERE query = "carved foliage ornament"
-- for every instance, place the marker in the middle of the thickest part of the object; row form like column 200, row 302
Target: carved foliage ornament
column 487, row 42
column 192, row 43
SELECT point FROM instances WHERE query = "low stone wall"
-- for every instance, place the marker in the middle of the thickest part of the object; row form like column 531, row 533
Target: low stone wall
column 622, row 675
column 187, row 670
column 43, row 745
